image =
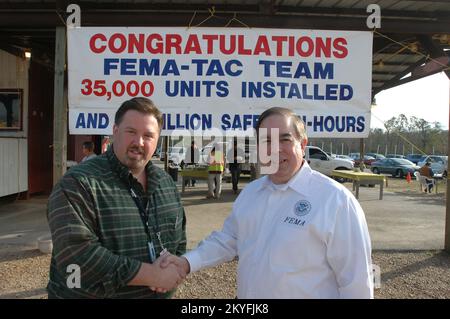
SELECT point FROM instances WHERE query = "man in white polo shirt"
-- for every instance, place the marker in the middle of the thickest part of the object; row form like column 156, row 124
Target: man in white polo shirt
column 297, row 233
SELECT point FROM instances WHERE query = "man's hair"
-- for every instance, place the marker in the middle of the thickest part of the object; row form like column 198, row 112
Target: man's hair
column 297, row 123
column 89, row 146
column 142, row 105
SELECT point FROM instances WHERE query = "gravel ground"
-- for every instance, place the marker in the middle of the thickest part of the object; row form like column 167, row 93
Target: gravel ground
column 419, row 274
column 410, row 274
column 23, row 272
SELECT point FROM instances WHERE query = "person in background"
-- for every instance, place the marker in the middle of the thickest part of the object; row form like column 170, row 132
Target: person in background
column 215, row 170
column 106, row 143
column 192, row 159
column 427, row 172
column 88, row 151
column 234, row 165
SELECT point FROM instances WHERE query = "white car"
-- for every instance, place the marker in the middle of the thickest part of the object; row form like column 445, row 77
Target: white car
column 176, row 154
column 325, row 164
column 346, row 157
column 438, row 163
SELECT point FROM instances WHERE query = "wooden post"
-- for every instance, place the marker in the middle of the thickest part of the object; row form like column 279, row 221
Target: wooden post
column 447, row 202
column 361, row 151
column 59, row 108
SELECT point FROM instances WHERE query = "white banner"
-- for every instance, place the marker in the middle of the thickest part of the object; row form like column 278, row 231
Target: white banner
column 206, row 79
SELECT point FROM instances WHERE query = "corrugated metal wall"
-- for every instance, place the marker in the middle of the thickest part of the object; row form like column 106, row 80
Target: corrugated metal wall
column 13, row 166
column 13, row 144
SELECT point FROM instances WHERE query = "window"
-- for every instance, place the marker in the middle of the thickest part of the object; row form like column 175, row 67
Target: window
column 436, row 159
column 317, row 154
column 11, row 109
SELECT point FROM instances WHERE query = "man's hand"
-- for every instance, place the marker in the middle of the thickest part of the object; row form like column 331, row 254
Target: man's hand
column 167, row 261
column 181, row 263
column 153, row 275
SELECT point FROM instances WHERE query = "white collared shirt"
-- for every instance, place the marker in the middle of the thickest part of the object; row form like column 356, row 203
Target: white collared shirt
column 304, row 239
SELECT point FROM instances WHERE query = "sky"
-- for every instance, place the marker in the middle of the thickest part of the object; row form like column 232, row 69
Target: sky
column 427, row 98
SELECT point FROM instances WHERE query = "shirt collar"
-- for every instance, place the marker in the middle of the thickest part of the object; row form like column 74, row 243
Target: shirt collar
column 153, row 173
column 299, row 182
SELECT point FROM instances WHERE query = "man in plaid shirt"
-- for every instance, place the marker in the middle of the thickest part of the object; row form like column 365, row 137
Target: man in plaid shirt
column 111, row 217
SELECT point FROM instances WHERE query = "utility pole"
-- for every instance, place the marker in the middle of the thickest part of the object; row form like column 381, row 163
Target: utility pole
column 59, row 108
column 447, row 202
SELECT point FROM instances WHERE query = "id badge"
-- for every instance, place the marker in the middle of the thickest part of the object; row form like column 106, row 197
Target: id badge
column 151, row 251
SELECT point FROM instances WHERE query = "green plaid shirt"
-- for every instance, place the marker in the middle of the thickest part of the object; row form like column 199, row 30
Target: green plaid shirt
column 96, row 225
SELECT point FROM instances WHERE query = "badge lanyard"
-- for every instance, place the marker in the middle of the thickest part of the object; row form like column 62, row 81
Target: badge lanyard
column 144, row 217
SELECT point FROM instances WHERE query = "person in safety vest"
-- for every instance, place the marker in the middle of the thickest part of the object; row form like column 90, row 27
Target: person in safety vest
column 216, row 166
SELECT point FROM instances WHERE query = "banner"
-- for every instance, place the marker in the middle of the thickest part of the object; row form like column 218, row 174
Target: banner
column 208, row 80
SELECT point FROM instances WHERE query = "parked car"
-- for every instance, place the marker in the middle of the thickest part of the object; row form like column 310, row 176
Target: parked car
column 176, row 155
column 438, row 163
column 325, row 164
column 395, row 166
column 396, row 156
column 377, row 156
column 415, row 158
column 346, row 157
column 368, row 160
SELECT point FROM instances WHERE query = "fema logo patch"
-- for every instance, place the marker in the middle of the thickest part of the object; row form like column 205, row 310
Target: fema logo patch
column 302, row 208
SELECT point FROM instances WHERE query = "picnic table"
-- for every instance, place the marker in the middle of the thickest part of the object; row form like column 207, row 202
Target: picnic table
column 361, row 178
column 192, row 173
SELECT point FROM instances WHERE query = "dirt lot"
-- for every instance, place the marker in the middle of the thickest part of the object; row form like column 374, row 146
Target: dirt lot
column 405, row 274
column 419, row 274
column 402, row 186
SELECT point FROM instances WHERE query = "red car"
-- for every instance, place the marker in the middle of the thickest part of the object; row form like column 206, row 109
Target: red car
column 368, row 160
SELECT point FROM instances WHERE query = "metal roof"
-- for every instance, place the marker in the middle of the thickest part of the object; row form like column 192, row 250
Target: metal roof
column 414, row 36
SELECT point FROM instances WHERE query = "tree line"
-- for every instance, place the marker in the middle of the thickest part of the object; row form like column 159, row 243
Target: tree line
column 401, row 135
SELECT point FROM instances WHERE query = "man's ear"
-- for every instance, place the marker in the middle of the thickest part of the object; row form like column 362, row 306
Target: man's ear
column 304, row 143
column 115, row 129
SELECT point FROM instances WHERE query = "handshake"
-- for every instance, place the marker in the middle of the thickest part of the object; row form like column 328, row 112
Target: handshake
column 169, row 272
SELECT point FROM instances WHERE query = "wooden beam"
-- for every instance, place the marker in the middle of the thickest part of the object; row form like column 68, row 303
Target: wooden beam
column 395, row 81
column 11, row 49
column 447, row 201
column 391, row 63
column 384, row 73
column 59, row 108
column 267, row 7
column 433, row 49
column 45, row 19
